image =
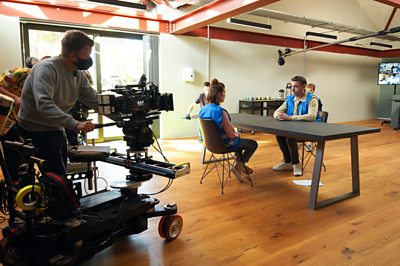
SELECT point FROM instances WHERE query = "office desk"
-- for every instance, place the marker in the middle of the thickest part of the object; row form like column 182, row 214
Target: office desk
column 315, row 132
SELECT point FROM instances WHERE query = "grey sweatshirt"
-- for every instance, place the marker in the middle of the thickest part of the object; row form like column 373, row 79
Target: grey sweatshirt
column 49, row 93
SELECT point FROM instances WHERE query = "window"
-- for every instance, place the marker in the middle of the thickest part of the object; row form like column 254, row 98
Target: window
column 118, row 60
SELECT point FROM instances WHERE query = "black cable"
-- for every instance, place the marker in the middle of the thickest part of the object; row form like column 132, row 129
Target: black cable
column 121, row 205
column 4, row 199
column 159, row 147
column 162, row 190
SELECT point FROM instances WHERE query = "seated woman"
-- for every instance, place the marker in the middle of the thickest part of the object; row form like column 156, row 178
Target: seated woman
column 244, row 148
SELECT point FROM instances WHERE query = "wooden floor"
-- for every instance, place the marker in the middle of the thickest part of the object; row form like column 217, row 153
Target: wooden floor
column 270, row 224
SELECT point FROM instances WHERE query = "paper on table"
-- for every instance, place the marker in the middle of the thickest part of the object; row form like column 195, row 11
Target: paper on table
column 305, row 183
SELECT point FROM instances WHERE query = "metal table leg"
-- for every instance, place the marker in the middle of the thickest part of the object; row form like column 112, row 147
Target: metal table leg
column 355, row 166
column 355, row 174
column 316, row 176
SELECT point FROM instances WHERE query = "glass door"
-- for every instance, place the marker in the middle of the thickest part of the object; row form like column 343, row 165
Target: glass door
column 121, row 63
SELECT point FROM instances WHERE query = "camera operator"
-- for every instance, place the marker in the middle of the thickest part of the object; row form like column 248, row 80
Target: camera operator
column 50, row 91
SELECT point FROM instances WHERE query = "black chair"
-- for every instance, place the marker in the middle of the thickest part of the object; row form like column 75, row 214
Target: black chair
column 323, row 115
column 214, row 143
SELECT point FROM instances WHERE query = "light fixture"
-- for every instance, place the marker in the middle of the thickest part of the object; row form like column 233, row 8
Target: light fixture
column 322, row 35
column 249, row 23
column 283, row 54
column 121, row 3
column 381, row 44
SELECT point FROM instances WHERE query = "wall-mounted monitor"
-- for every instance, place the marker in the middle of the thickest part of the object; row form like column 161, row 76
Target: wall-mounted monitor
column 389, row 74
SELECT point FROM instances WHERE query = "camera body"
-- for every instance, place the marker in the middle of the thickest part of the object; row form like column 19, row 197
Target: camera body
column 133, row 108
column 136, row 100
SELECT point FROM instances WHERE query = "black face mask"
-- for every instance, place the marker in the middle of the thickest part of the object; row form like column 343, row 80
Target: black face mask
column 84, row 64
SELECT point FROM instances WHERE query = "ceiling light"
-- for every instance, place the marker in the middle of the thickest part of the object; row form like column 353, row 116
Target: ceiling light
column 121, row 4
column 322, row 35
column 249, row 23
column 381, row 44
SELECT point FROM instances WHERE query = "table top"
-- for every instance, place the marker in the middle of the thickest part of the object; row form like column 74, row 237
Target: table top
column 303, row 130
column 266, row 100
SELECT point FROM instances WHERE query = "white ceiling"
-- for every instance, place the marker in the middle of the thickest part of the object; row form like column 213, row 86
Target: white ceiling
column 364, row 16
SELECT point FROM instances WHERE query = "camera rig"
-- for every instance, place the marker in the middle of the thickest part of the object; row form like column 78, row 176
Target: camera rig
column 49, row 224
column 133, row 108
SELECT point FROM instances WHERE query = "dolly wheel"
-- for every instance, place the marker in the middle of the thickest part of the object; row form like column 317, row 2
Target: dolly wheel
column 170, row 227
column 161, row 224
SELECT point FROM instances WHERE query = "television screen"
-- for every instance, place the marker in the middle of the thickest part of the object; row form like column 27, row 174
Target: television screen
column 389, row 74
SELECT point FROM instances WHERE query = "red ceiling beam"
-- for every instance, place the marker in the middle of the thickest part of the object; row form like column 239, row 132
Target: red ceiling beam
column 393, row 3
column 390, row 18
column 214, row 12
column 67, row 11
column 391, row 53
column 266, row 39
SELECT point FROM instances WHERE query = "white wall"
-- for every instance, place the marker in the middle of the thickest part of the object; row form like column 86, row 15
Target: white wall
column 345, row 83
column 10, row 46
column 175, row 54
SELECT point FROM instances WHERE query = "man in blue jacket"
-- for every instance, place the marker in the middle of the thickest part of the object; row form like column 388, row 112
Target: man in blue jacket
column 300, row 105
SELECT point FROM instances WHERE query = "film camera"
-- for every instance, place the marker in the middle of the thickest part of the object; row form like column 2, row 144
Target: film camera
column 134, row 107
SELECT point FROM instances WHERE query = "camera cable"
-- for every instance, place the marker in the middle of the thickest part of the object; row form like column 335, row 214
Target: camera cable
column 159, row 150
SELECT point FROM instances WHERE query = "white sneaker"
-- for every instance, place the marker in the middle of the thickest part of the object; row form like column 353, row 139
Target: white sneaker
column 297, row 170
column 283, row 167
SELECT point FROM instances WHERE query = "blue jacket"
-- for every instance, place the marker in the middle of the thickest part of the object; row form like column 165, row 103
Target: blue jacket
column 214, row 112
column 319, row 104
column 302, row 108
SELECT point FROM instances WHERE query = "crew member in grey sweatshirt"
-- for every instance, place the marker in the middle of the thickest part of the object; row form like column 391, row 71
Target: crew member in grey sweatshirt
column 50, row 91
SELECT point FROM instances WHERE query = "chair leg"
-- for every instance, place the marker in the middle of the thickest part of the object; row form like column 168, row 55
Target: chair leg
column 302, row 158
column 312, row 153
column 224, row 162
column 205, row 172
column 203, row 155
column 222, row 180
column 323, row 165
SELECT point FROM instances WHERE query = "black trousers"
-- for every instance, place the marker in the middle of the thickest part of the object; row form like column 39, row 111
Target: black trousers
column 245, row 149
column 52, row 147
column 289, row 149
column 12, row 158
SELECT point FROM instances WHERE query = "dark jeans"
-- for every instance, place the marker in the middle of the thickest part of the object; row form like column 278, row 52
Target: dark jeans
column 12, row 158
column 52, row 147
column 245, row 149
column 289, row 149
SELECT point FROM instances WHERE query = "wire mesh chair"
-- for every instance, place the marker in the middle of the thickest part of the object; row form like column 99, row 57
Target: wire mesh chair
column 214, row 143
column 305, row 157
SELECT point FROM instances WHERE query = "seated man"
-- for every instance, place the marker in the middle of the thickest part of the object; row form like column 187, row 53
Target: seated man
column 311, row 89
column 301, row 105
